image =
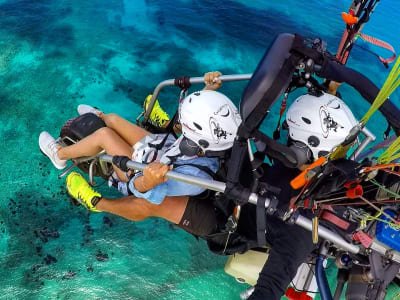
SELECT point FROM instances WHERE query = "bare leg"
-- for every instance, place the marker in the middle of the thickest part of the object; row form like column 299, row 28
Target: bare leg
column 128, row 131
column 102, row 139
column 137, row 209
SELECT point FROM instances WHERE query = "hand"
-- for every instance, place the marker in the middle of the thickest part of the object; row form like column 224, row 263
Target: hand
column 154, row 174
column 333, row 86
column 212, row 81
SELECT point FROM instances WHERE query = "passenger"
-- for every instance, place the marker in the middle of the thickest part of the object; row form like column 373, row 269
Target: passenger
column 210, row 122
column 290, row 244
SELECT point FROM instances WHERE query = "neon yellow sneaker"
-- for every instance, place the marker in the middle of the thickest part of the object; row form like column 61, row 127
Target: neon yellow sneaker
column 81, row 191
column 158, row 117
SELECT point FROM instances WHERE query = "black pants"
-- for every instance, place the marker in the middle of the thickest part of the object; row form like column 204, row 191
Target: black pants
column 290, row 244
column 290, row 247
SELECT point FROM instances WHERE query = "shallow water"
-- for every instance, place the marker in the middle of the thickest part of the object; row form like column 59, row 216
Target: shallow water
column 111, row 54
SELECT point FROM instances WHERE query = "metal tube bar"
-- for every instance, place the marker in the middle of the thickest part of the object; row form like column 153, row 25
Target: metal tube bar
column 369, row 137
column 205, row 183
column 91, row 166
column 220, row 187
column 193, row 80
column 247, row 293
column 67, row 170
column 327, row 234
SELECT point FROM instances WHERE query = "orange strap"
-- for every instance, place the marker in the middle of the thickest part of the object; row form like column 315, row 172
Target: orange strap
column 379, row 167
column 301, row 179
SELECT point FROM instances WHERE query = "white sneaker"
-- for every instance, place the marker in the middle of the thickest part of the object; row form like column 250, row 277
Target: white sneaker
column 84, row 109
column 48, row 145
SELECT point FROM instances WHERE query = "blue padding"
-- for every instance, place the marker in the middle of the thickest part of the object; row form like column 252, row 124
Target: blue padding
column 387, row 234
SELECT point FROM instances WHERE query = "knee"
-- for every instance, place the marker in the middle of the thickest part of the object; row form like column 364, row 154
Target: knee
column 104, row 133
column 110, row 119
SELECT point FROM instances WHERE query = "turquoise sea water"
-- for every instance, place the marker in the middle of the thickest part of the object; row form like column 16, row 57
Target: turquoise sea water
column 55, row 55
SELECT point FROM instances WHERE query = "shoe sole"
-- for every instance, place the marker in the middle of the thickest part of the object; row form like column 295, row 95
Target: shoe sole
column 74, row 201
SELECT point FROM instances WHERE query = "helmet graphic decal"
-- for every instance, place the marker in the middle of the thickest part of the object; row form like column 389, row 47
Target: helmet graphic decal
column 217, row 132
column 327, row 122
column 188, row 127
column 223, row 111
column 293, row 122
column 323, row 115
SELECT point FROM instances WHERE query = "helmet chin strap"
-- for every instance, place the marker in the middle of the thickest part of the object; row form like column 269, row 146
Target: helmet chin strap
column 220, row 154
column 189, row 148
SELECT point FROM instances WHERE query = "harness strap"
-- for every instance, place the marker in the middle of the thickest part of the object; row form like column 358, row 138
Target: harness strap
column 261, row 222
column 171, row 124
column 158, row 147
column 277, row 151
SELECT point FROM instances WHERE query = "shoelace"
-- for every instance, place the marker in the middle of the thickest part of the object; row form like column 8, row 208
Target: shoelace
column 53, row 146
column 86, row 194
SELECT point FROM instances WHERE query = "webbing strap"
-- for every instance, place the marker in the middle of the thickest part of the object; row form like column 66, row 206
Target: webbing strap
column 261, row 222
column 382, row 44
column 384, row 144
column 391, row 84
column 158, row 147
column 277, row 151
column 332, row 218
column 392, row 153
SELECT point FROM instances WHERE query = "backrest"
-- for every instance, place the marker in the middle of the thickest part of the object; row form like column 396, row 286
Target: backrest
column 269, row 81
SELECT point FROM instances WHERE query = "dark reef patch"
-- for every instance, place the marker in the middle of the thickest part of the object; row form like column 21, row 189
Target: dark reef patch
column 30, row 20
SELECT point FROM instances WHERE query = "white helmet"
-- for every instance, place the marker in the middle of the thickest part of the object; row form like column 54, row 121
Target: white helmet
column 318, row 123
column 209, row 122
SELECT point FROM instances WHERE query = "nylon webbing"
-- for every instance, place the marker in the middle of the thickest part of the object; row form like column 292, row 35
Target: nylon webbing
column 261, row 222
column 379, row 43
column 392, row 153
column 384, row 144
column 391, row 84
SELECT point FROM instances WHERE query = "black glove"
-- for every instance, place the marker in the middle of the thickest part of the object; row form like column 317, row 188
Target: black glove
column 120, row 162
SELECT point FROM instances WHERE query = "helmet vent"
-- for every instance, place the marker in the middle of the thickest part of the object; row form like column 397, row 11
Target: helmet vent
column 197, row 126
column 313, row 141
column 204, row 143
column 307, row 121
